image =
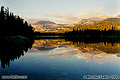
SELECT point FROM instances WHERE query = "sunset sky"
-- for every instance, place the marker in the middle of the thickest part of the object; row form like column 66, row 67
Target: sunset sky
column 61, row 11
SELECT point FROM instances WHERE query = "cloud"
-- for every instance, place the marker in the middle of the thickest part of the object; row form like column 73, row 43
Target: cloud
column 69, row 18
column 54, row 55
column 33, row 20
column 107, row 59
column 88, row 13
column 54, row 15
column 66, row 21
column 96, row 12
column 68, row 53
column 110, row 12
column 66, row 18
column 36, row 51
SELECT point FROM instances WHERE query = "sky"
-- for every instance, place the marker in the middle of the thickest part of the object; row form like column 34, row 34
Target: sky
column 61, row 11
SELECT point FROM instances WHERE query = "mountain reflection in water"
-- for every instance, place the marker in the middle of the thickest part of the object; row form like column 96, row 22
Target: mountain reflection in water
column 54, row 48
column 89, row 51
column 60, row 59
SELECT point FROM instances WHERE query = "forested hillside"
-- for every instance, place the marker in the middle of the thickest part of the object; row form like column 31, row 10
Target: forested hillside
column 12, row 25
column 106, row 24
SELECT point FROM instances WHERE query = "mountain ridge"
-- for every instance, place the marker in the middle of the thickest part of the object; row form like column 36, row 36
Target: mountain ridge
column 49, row 26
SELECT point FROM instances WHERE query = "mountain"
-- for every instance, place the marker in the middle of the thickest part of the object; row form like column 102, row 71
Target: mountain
column 118, row 16
column 62, row 24
column 45, row 22
column 48, row 26
column 105, row 17
column 93, row 20
column 91, row 48
column 89, row 21
column 112, row 19
column 107, row 24
column 42, row 24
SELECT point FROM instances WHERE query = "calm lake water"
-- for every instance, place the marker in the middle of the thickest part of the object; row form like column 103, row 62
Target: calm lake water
column 58, row 59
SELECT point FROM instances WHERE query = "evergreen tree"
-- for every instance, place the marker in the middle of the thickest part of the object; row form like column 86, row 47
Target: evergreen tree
column 11, row 25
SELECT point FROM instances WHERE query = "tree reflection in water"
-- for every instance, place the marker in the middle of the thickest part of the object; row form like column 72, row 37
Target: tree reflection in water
column 106, row 46
column 100, row 53
column 9, row 51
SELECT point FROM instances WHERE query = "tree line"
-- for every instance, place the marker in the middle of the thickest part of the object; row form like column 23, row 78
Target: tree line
column 107, row 28
column 82, row 33
column 93, row 33
column 12, row 25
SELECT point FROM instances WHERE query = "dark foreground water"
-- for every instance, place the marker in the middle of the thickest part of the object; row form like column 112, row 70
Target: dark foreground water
column 58, row 59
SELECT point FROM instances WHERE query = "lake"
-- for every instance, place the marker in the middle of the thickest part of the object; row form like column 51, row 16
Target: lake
column 61, row 59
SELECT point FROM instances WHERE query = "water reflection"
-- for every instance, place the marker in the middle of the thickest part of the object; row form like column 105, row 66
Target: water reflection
column 55, row 48
column 59, row 59
column 9, row 51
column 100, row 52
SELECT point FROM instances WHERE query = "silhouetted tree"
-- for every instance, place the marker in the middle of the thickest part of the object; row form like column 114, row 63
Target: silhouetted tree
column 11, row 25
